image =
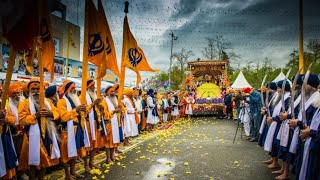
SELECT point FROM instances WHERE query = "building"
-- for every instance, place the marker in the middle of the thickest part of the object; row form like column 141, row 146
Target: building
column 65, row 33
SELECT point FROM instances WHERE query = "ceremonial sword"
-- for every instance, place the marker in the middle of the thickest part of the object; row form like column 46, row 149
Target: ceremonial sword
column 294, row 83
column 303, row 95
column 261, row 94
column 283, row 106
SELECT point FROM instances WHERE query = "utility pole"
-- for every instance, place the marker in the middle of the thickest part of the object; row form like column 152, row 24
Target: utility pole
column 301, row 61
column 173, row 37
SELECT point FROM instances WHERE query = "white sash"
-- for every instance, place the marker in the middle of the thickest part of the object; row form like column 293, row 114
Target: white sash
column 12, row 144
column 295, row 137
column 3, row 169
column 72, row 149
column 55, row 152
column 273, row 126
column 14, row 111
column 265, row 116
column 34, row 139
column 114, row 122
column 91, row 118
column 314, row 126
column 283, row 134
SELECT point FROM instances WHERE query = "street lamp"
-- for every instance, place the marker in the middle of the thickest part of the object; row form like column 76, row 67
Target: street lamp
column 173, row 37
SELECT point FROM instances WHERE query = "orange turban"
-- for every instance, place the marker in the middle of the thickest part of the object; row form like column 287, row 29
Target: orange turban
column 0, row 86
column 25, row 88
column 46, row 84
column 128, row 92
column 135, row 92
column 34, row 82
column 144, row 93
column 14, row 88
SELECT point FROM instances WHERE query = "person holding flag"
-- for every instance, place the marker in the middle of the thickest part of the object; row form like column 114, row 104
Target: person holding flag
column 73, row 131
column 113, row 137
column 9, row 117
column 40, row 148
column 95, row 127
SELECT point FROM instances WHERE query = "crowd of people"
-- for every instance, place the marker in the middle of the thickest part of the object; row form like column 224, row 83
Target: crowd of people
column 293, row 137
column 66, row 131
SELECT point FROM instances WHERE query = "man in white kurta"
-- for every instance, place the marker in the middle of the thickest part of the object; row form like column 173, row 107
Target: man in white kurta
column 130, row 127
column 152, row 117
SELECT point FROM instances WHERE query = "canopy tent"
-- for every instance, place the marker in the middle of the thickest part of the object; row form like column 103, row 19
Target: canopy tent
column 240, row 82
column 280, row 77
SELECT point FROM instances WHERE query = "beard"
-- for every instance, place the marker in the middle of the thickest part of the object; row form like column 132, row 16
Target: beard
column 35, row 98
column 316, row 102
column 74, row 98
column 276, row 100
column 92, row 94
column 15, row 101
column 114, row 101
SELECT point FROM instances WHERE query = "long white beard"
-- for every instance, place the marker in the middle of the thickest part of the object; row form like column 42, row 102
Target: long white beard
column 15, row 102
column 35, row 100
column 276, row 100
column 74, row 98
column 92, row 94
column 316, row 102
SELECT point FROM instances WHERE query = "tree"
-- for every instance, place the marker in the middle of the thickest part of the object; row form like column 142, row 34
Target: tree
column 215, row 47
column 182, row 59
column 314, row 48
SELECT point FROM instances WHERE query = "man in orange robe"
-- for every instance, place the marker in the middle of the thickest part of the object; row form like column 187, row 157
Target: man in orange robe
column 40, row 148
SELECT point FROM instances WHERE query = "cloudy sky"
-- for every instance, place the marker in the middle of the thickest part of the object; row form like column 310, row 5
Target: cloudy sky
column 255, row 28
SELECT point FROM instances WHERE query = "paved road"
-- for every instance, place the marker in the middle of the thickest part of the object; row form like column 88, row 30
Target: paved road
column 200, row 149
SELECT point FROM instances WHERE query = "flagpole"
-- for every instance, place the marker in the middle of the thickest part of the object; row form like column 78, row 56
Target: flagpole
column 301, row 61
column 67, row 58
column 41, row 91
column 12, row 56
column 85, row 57
column 123, row 69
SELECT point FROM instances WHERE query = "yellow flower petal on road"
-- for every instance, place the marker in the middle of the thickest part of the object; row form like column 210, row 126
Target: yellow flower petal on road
column 94, row 178
column 119, row 163
column 165, row 173
column 102, row 177
column 138, row 173
column 186, row 164
column 158, row 174
column 236, row 162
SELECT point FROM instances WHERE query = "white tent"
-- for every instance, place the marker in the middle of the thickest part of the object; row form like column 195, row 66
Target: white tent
column 240, row 82
column 280, row 77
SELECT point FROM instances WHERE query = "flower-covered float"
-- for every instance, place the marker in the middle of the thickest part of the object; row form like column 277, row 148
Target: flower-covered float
column 208, row 80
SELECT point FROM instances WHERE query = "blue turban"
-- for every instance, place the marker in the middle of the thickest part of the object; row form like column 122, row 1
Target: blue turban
column 313, row 80
column 272, row 85
column 286, row 87
column 300, row 79
column 51, row 91
column 150, row 92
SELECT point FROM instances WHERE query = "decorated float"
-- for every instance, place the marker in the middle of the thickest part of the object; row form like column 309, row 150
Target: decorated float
column 209, row 80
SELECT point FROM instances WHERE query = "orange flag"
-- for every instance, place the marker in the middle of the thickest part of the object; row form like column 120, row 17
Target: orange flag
column 132, row 55
column 95, row 41
column 110, row 60
column 47, row 45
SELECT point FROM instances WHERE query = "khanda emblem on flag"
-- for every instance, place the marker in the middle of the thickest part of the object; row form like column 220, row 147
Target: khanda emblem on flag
column 108, row 47
column 44, row 30
column 135, row 56
column 96, row 45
